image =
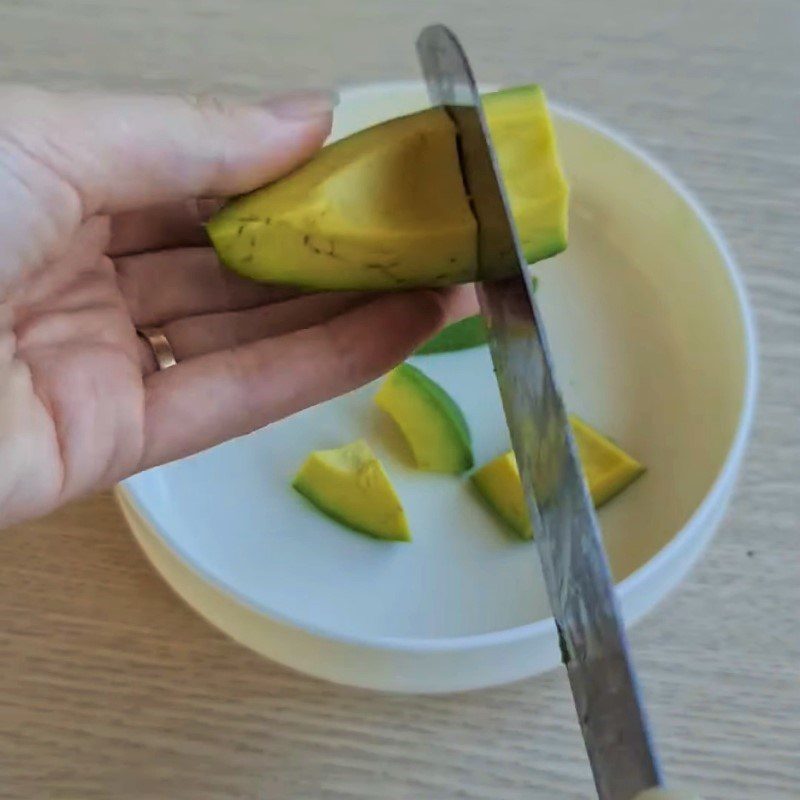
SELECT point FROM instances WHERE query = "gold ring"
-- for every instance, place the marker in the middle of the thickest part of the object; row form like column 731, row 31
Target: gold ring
column 159, row 344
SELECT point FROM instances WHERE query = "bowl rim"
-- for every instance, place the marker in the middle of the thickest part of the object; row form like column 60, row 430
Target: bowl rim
column 727, row 474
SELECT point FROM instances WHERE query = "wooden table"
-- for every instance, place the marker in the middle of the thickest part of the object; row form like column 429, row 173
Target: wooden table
column 111, row 688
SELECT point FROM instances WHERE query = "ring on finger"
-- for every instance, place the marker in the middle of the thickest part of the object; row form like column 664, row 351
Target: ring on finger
column 159, row 344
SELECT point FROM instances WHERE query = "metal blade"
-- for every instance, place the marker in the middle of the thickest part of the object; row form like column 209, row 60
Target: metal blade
column 576, row 572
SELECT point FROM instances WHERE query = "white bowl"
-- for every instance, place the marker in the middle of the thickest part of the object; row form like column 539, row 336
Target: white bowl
column 654, row 344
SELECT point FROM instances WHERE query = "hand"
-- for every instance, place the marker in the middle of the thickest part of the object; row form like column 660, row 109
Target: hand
column 101, row 204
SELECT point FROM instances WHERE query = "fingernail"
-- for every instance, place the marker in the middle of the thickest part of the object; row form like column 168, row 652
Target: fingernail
column 302, row 105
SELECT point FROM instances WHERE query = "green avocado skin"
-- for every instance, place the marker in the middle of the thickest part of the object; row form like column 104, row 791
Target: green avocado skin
column 462, row 335
column 310, row 496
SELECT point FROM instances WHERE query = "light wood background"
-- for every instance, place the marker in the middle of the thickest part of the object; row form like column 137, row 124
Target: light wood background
column 111, row 688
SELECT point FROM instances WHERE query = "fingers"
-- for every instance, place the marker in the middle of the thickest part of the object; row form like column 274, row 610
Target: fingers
column 196, row 336
column 162, row 226
column 209, row 399
column 122, row 153
column 462, row 302
column 170, row 284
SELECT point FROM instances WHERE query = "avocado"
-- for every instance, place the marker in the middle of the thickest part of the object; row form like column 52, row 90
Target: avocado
column 607, row 468
column 350, row 485
column 525, row 142
column 386, row 209
column 429, row 419
column 461, row 335
column 499, row 484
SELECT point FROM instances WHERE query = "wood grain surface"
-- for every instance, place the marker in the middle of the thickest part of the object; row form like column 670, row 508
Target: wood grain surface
column 111, row 688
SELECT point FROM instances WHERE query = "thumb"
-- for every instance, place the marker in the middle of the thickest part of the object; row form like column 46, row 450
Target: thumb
column 124, row 152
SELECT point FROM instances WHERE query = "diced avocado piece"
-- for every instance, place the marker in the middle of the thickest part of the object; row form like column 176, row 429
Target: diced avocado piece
column 499, row 484
column 429, row 419
column 607, row 468
column 385, row 208
column 350, row 485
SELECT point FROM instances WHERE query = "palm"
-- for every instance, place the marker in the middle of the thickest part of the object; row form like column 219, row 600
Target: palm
column 85, row 368
column 80, row 374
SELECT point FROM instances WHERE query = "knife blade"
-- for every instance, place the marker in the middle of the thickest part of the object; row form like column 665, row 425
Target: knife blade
column 576, row 572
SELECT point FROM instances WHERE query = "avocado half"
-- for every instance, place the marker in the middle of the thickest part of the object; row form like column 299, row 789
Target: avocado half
column 386, row 208
column 606, row 467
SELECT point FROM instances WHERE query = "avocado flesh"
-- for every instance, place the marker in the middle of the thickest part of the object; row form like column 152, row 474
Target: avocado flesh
column 525, row 142
column 350, row 485
column 607, row 468
column 429, row 420
column 385, row 208
column 499, row 484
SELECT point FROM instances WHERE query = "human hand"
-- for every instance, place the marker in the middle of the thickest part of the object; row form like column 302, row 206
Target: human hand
column 101, row 204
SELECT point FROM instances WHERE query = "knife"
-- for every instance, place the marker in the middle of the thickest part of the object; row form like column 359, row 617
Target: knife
column 579, row 586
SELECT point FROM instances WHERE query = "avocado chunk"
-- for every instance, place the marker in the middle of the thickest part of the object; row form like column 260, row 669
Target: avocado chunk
column 386, row 208
column 461, row 335
column 607, row 468
column 429, row 419
column 499, row 484
column 525, row 142
column 350, row 485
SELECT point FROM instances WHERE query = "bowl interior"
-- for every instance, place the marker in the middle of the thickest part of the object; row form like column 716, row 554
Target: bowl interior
column 647, row 335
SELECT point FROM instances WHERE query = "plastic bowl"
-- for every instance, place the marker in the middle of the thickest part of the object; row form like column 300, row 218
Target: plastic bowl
column 654, row 344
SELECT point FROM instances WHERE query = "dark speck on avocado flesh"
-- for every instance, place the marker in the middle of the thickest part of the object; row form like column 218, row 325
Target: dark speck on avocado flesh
column 324, row 247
